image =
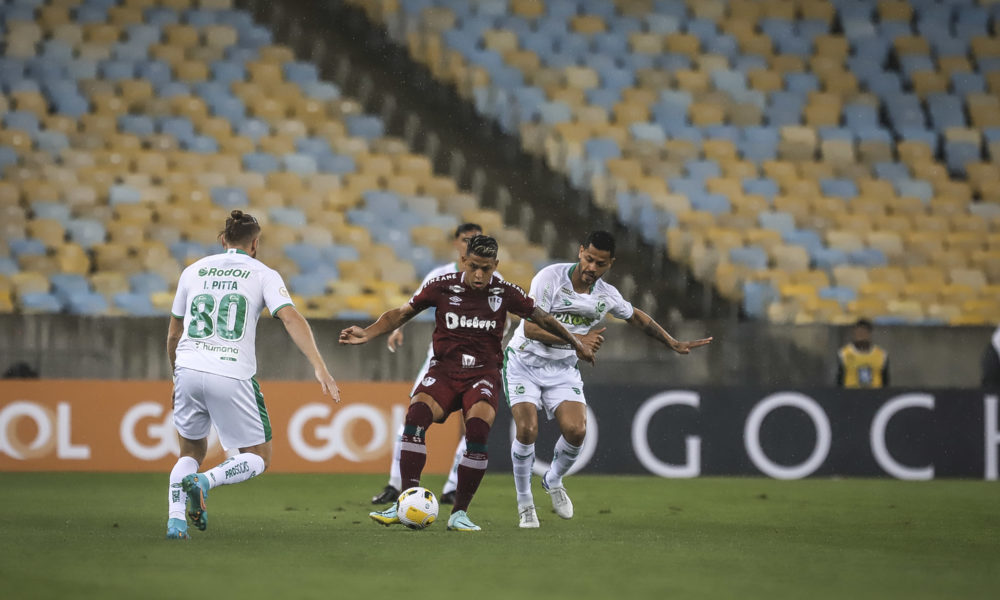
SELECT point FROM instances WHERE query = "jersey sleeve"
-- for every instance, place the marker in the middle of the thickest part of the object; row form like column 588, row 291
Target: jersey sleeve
column 543, row 289
column 620, row 307
column 275, row 292
column 426, row 297
column 519, row 303
column 179, row 308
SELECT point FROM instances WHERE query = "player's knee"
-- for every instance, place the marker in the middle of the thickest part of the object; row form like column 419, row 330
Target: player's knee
column 419, row 415
column 575, row 433
column 527, row 433
column 477, row 431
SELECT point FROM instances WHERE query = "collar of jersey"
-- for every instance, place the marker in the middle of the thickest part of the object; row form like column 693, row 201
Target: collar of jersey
column 570, row 275
column 235, row 251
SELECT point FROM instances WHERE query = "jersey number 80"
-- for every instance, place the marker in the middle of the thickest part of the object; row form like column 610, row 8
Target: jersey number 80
column 229, row 322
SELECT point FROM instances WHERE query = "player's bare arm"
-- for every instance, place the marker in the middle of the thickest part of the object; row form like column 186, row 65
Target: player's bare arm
column 300, row 332
column 653, row 329
column 174, row 332
column 549, row 324
column 592, row 338
column 389, row 321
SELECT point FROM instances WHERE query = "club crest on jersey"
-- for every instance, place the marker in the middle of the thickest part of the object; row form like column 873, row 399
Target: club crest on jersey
column 468, row 361
column 456, row 289
column 495, row 302
column 428, row 381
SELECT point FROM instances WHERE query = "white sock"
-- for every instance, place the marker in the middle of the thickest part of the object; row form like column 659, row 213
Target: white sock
column 395, row 479
column 176, row 498
column 562, row 460
column 235, row 470
column 523, row 457
column 452, row 484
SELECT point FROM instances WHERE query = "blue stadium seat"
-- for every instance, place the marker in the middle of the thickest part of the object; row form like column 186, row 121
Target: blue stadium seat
column 86, row 303
column 123, row 194
column 86, row 232
column 260, row 162
column 757, row 295
column 806, row 238
column 867, row 257
column 839, row 293
column 307, row 285
column 230, row 197
column 41, row 302
column 26, row 247
column 287, row 216
column 136, row 304
column 66, row 284
column 338, row 164
column 827, row 258
column 51, row 210
column 147, row 283
column 777, row 220
column 753, row 257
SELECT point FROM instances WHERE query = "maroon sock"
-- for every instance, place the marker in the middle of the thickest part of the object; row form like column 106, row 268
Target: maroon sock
column 473, row 465
column 413, row 450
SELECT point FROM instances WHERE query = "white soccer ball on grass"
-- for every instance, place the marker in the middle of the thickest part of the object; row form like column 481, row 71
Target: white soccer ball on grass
column 417, row 508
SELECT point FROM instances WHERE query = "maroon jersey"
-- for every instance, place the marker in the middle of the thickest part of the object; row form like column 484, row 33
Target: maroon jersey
column 469, row 322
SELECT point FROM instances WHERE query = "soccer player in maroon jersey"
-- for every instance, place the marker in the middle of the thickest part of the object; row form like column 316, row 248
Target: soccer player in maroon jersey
column 472, row 306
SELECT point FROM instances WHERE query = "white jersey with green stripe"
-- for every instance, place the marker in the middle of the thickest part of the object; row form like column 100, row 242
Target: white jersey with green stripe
column 220, row 298
column 552, row 290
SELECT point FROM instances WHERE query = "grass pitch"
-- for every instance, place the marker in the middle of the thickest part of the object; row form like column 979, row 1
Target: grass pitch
column 76, row 535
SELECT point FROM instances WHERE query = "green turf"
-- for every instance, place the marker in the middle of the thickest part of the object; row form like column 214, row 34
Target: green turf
column 308, row 536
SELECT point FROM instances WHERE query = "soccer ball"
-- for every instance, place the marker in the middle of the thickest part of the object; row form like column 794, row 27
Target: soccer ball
column 417, row 508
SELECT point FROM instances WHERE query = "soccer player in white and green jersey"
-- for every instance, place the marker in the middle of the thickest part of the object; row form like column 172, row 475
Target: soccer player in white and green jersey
column 540, row 370
column 212, row 352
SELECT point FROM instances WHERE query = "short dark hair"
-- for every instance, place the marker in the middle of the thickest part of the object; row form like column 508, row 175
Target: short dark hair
column 864, row 324
column 241, row 228
column 483, row 246
column 601, row 240
column 466, row 228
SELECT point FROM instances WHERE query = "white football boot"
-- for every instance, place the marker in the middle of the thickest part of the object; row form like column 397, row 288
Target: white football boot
column 561, row 503
column 528, row 516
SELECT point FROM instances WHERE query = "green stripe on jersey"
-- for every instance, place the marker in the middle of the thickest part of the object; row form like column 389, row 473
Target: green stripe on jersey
column 264, row 419
column 506, row 356
column 275, row 311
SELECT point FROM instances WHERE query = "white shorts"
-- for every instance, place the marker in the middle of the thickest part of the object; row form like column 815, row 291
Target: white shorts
column 546, row 387
column 234, row 406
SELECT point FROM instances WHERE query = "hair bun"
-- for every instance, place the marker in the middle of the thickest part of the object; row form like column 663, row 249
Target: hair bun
column 236, row 214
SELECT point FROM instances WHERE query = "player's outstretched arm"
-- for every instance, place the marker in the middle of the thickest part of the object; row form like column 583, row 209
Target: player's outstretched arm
column 300, row 332
column 389, row 321
column 548, row 323
column 651, row 328
column 592, row 338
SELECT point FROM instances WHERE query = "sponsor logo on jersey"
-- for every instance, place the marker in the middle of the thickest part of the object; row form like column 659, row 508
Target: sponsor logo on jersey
column 567, row 302
column 428, row 381
column 495, row 302
column 468, row 361
column 456, row 289
column 216, row 272
column 496, row 290
column 453, row 321
column 284, row 292
column 455, row 300
column 519, row 389
column 601, row 306
column 577, row 390
column 571, row 319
